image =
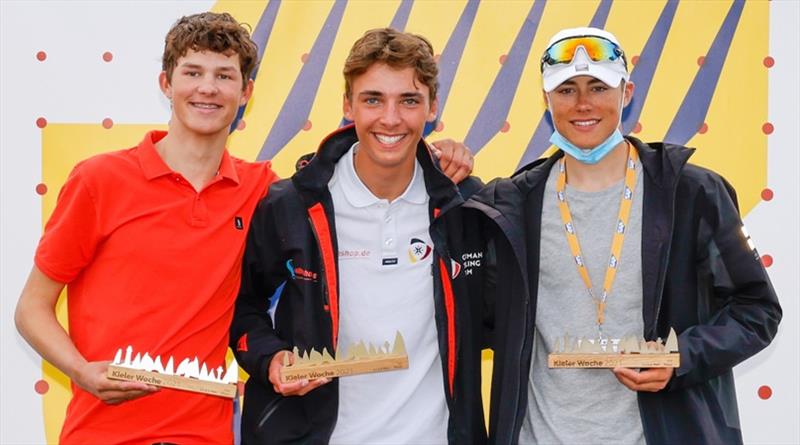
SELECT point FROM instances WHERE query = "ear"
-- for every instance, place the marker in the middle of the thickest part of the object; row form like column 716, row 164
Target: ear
column 347, row 108
column 164, row 84
column 629, row 88
column 433, row 110
column 247, row 92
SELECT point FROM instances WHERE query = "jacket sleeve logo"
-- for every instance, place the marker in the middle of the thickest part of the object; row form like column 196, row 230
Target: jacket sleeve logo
column 298, row 273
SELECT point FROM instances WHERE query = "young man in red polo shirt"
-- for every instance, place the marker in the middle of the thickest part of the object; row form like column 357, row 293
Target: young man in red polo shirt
column 149, row 242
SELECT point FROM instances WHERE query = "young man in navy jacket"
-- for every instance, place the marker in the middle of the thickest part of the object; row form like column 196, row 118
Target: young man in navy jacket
column 368, row 239
column 612, row 237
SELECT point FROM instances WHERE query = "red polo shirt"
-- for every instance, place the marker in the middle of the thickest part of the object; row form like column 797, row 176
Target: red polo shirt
column 152, row 263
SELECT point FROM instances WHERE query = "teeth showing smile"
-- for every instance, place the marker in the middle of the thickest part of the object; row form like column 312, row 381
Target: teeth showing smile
column 388, row 140
column 206, row 106
column 585, row 123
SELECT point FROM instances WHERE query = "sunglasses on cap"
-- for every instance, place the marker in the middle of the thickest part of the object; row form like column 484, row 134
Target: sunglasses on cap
column 597, row 48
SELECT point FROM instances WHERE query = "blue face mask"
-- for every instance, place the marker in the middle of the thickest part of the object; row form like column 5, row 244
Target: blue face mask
column 588, row 155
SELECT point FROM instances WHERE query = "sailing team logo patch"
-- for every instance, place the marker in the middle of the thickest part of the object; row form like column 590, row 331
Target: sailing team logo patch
column 418, row 250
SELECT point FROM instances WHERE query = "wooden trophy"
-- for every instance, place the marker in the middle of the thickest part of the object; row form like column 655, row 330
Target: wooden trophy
column 359, row 359
column 628, row 352
column 189, row 376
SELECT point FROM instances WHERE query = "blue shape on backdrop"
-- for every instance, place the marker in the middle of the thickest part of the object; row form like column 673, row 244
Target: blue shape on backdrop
column 261, row 36
column 693, row 110
column 643, row 72
column 295, row 110
column 494, row 110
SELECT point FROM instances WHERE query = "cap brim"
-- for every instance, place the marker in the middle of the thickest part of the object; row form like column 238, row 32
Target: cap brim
column 610, row 74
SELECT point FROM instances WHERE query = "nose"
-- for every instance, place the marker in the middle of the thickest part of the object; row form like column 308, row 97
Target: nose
column 391, row 115
column 583, row 102
column 208, row 85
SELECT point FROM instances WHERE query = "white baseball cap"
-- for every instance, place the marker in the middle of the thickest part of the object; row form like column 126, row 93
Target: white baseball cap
column 583, row 52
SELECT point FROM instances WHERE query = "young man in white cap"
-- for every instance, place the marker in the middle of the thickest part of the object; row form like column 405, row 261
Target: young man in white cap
column 612, row 237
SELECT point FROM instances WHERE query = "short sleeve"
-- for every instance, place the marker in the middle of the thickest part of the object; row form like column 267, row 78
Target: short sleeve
column 72, row 233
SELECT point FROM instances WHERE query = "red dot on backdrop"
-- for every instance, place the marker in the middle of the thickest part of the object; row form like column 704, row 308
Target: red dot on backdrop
column 439, row 126
column 503, row 59
column 634, row 60
column 769, row 62
column 701, row 60
column 108, row 123
column 241, row 125
column 703, row 128
column 506, row 126
column 764, row 392
column 766, row 260
column 107, row 56
column 41, row 56
column 767, row 128
column 41, row 387
column 41, row 122
column 307, row 126
column 767, row 194
column 304, row 58
column 41, row 188
column 637, row 128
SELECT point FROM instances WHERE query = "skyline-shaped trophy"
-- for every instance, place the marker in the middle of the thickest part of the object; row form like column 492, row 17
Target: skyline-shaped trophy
column 628, row 352
column 360, row 358
column 190, row 375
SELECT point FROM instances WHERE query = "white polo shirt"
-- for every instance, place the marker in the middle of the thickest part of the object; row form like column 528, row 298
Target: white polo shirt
column 386, row 285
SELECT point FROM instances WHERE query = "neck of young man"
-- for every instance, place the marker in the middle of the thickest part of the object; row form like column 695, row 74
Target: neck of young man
column 385, row 182
column 195, row 156
column 600, row 176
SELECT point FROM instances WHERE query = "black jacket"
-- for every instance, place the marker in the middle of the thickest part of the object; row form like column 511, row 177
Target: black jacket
column 698, row 275
column 295, row 223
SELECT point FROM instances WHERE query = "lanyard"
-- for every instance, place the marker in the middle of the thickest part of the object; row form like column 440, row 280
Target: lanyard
column 619, row 232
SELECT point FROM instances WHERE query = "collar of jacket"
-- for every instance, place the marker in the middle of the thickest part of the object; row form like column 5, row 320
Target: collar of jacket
column 312, row 180
column 661, row 162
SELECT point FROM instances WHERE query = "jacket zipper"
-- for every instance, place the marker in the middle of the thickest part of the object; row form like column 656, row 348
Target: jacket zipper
column 663, row 273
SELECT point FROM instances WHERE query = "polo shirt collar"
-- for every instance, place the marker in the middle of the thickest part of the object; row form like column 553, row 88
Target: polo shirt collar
column 153, row 166
column 357, row 193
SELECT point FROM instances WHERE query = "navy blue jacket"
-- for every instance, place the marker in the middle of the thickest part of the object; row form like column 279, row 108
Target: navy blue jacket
column 698, row 274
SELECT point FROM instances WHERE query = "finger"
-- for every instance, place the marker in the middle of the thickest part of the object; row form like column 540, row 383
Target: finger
column 117, row 397
column 275, row 366
column 650, row 380
column 312, row 385
column 445, row 159
column 461, row 174
column 291, row 389
column 461, row 166
column 625, row 380
column 123, row 386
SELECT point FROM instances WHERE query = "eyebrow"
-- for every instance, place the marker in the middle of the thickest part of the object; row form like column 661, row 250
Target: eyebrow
column 375, row 93
column 196, row 66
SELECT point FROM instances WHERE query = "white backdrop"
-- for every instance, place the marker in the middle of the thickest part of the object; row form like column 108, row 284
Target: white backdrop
column 77, row 86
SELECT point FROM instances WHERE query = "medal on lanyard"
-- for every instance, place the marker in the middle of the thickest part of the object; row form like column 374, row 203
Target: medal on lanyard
column 619, row 233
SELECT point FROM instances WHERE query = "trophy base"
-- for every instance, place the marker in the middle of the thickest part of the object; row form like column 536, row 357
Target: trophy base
column 600, row 360
column 343, row 368
column 227, row 390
